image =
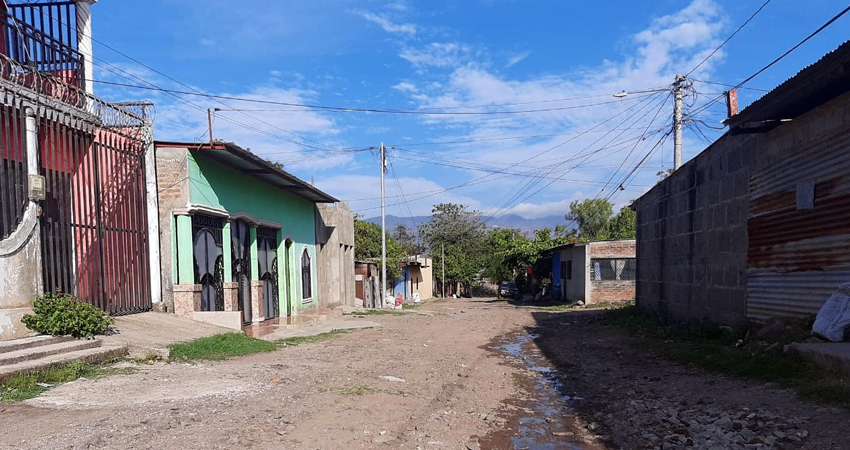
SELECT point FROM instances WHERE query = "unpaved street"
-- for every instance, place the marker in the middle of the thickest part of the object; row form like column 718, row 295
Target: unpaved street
column 479, row 374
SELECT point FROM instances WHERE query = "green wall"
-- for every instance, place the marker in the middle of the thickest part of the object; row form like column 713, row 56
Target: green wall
column 218, row 186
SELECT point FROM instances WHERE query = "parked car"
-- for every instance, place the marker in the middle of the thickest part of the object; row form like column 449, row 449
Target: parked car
column 508, row 290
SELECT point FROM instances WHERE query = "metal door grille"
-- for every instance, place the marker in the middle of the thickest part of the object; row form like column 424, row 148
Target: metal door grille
column 94, row 220
column 240, row 243
column 13, row 169
column 267, row 255
column 207, row 234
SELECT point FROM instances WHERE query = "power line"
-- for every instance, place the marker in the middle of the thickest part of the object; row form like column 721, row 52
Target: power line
column 344, row 109
column 727, row 39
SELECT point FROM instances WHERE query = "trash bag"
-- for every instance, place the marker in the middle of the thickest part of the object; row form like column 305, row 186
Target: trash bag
column 834, row 317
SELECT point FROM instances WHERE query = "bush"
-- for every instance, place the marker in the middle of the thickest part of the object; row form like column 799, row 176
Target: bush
column 60, row 315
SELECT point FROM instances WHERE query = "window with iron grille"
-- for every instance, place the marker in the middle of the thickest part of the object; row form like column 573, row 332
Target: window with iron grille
column 13, row 170
column 306, row 285
column 607, row 269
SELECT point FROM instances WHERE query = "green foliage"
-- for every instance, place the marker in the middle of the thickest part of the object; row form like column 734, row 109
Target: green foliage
column 293, row 341
column 26, row 386
column 463, row 235
column 367, row 247
column 60, row 315
column 407, row 239
column 218, row 347
column 510, row 252
column 731, row 351
column 593, row 217
column 622, row 226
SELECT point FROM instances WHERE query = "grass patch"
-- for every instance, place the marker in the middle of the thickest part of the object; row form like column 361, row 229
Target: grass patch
column 410, row 306
column 26, row 386
column 733, row 351
column 292, row 341
column 360, row 389
column 218, row 347
column 376, row 312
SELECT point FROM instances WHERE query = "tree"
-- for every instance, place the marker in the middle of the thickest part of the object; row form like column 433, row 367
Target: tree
column 463, row 235
column 622, row 226
column 407, row 239
column 367, row 247
column 591, row 216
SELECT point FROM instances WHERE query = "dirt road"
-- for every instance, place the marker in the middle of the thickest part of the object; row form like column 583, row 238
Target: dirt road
column 480, row 374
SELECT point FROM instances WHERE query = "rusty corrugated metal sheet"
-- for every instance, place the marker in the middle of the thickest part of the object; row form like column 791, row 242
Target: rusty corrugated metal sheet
column 797, row 257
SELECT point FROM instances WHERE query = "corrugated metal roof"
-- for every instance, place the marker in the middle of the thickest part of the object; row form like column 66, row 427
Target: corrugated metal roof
column 814, row 85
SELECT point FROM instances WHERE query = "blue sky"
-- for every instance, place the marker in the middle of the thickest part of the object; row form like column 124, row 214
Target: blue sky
column 454, row 56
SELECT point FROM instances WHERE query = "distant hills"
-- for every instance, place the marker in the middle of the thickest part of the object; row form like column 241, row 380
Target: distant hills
column 505, row 221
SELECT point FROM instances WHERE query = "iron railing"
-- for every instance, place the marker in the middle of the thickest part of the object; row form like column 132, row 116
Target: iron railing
column 40, row 36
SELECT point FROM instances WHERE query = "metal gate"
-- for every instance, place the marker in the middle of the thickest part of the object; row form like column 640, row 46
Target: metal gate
column 240, row 243
column 267, row 255
column 94, row 220
column 207, row 248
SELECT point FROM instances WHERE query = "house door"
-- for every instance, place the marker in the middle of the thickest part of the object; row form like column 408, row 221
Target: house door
column 209, row 260
column 267, row 255
column 240, row 244
column 288, row 277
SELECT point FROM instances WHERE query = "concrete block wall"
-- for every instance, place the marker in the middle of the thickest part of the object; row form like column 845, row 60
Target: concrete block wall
column 692, row 236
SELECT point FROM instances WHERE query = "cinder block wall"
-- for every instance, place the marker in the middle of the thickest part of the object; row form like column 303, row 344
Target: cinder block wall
column 172, row 185
column 692, row 236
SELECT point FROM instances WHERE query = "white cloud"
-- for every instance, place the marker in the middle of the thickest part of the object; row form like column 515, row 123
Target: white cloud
column 537, row 210
column 207, row 42
column 437, row 54
column 404, row 86
column 516, row 59
column 275, row 73
column 387, row 24
column 420, row 193
column 670, row 44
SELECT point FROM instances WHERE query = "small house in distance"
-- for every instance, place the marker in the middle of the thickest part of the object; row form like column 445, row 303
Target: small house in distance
column 594, row 272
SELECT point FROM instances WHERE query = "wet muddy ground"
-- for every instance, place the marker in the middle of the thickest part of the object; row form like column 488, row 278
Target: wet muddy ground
column 480, row 374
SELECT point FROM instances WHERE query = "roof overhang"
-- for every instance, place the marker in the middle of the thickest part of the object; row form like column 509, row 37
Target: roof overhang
column 811, row 87
column 243, row 161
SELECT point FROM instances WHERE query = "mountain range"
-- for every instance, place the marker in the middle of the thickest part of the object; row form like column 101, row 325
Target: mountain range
column 504, row 221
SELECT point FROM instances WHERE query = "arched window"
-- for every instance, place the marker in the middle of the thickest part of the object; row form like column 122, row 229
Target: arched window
column 306, row 285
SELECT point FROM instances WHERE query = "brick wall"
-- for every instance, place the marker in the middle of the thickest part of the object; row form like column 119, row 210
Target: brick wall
column 173, row 190
column 613, row 249
column 692, row 236
column 611, row 291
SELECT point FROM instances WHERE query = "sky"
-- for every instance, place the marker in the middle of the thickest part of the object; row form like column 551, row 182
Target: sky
column 520, row 94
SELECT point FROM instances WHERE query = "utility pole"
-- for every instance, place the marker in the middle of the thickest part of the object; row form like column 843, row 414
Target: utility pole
column 383, row 228
column 209, row 121
column 443, row 261
column 677, row 122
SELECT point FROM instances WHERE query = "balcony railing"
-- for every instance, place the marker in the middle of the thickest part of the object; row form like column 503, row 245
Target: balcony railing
column 40, row 37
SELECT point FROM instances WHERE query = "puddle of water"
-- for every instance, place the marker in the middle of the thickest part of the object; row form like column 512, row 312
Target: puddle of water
column 534, row 432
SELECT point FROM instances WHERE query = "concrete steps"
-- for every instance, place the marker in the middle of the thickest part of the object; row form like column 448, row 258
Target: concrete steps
column 35, row 353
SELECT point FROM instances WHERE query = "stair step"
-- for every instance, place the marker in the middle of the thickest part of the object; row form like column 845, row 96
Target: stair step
column 28, row 354
column 31, row 342
column 89, row 355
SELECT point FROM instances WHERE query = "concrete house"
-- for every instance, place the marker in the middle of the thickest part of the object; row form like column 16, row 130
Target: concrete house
column 76, row 172
column 238, row 235
column 416, row 278
column 335, row 240
column 594, row 272
column 758, row 224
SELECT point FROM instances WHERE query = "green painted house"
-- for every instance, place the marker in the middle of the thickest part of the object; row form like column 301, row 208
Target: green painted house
column 237, row 235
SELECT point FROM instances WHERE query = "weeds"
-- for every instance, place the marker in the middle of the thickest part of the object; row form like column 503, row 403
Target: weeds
column 26, row 386
column 219, row 347
column 353, row 390
column 311, row 339
column 377, row 312
column 733, row 351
